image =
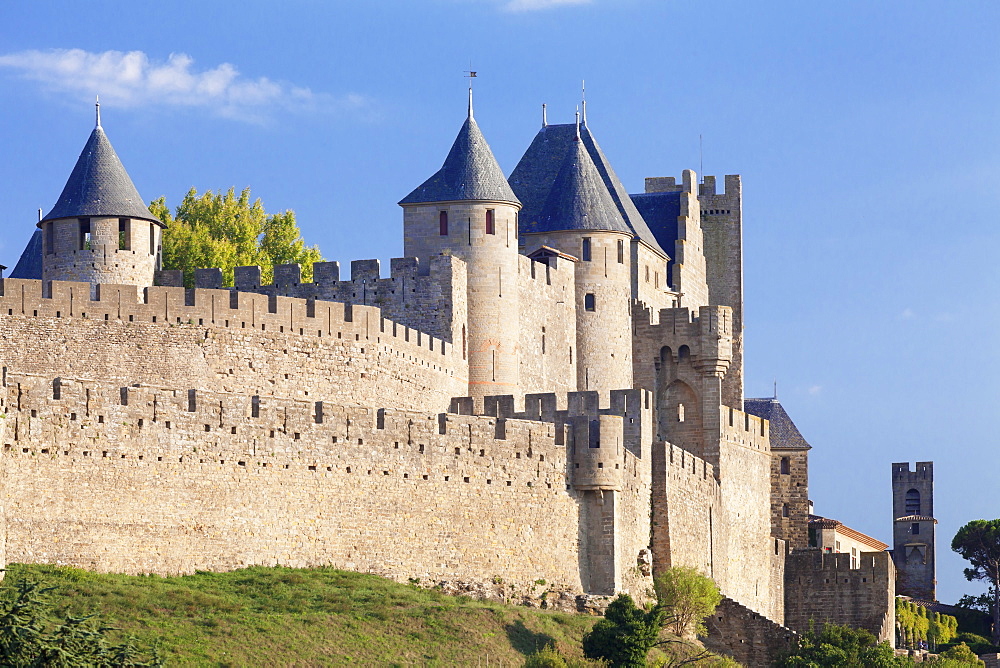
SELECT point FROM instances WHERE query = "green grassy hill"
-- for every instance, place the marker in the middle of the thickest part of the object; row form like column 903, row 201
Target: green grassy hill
column 307, row 617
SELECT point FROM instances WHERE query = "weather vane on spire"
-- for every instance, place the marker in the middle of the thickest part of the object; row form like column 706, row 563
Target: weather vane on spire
column 583, row 99
column 470, row 75
column 97, row 104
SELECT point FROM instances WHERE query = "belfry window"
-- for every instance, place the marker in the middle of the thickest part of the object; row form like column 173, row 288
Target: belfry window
column 490, row 222
column 443, row 223
column 912, row 502
column 586, row 249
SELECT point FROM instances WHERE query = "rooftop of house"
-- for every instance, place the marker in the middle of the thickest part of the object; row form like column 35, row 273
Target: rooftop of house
column 816, row 521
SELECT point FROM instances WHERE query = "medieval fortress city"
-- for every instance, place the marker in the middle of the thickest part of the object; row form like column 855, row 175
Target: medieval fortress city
column 542, row 401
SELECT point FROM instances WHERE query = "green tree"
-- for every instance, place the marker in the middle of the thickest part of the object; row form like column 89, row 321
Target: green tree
column 32, row 635
column 842, row 647
column 689, row 597
column 226, row 231
column 979, row 543
column 958, row 656
column 625, row 635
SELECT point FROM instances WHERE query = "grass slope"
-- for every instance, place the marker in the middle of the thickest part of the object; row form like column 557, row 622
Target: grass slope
column 306, row 617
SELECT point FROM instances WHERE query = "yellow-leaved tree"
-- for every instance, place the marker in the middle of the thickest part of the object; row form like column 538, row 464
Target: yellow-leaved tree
column 227, row 230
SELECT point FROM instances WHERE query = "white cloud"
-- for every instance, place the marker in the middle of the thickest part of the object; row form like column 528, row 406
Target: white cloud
column 815, row 389
column 534, row 5
column 132, row 79
column 907, row 313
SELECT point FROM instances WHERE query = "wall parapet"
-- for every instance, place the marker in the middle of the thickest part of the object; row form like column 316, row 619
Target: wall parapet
column 745, row 429
column 219, row 308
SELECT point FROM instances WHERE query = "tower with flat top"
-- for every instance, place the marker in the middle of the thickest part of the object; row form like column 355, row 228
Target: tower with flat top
column 913, row 530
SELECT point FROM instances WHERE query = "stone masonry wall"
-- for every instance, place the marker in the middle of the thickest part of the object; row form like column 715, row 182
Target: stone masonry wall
column 823, row 588
column 747, row 636
column 226, row 341
column 142, row 479
column 790, row 496
column 547, row 349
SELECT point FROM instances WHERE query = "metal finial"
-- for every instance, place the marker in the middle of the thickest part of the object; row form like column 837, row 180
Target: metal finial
column 39, row 215
column 97, row 104
column 470, row 75
column 545, row 120
column 775, row 389
column 583, row 99
column 577, row 138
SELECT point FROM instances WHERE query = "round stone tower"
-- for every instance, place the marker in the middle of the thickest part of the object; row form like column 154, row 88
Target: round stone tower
column 580, row 218
column 100, row 231
column 467, row 209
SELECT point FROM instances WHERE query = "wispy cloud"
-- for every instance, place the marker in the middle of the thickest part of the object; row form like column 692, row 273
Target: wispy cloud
column 815, row 389
column 535, row 5
column 132, row 79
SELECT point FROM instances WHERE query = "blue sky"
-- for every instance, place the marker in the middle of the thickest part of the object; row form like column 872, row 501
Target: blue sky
column 866, row 135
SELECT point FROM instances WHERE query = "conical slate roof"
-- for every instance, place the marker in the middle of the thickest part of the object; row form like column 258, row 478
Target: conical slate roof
column 535, row 174
column 579, row 199
column 99, row 186
column 784, row 433
column 470, row 172
column 29, row 265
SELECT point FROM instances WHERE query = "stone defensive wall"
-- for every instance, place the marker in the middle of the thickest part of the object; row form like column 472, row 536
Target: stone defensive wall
column 431, row 298
column 149, row 479
column 227, row 341
column 749, row 637
column 706, row 332
column 823, row 588
column 547, row 325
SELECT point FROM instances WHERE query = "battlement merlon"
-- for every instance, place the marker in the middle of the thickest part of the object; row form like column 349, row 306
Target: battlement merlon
column 598, row 452
column 659, row 184
column 708, row 335
column 817, row 561
column 923, row 471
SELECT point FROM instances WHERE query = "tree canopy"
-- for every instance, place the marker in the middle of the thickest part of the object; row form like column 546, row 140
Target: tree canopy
column 227, row 230
column 979, row 543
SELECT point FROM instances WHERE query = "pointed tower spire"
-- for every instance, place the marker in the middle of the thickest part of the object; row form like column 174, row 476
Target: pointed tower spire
column 97, row 105
column 545, row 120
column 583, row 99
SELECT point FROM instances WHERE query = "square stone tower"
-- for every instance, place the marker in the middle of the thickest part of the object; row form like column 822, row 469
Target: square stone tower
column 913, row 530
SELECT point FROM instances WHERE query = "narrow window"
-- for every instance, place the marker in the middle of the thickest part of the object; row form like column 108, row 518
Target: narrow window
column 543, row 340
column 680, row 412
column 589, row 302
column 786, row 466
column 571, row 354
column 517, row 222
column 647, row 273
column 656, row 279
column 586, row 249
column 463, row 341
column 621, row 251
column 784, row 510
column 443, row 223
column 490, row 226
column 50, row 240
column 915, row 529
column 152, row 239
column 124, row 240
column 84, row 234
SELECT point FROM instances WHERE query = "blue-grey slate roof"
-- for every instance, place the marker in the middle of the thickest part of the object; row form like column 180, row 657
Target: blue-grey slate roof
column 535, row 174
column 29, row 265
column 99, row 186
column 579, row 199
column 660, row 211
column 784, row 433
column 470, row 172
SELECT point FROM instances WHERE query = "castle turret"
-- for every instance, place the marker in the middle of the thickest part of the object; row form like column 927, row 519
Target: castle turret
column 580, row 217
column 913, row 530
column 468, row 210
column 100, row 231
